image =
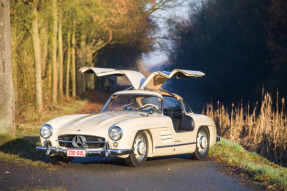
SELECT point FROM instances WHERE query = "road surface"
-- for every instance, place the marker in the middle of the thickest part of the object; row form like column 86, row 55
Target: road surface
column 97, row 173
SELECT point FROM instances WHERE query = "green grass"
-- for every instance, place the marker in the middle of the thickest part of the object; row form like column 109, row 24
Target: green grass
column 21, row 148
column 260, row 170
column 4, row 138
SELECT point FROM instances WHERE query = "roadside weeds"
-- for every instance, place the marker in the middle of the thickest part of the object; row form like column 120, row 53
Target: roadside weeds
column 263, row 172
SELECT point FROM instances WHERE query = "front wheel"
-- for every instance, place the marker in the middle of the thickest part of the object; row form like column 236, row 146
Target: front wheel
column 140, row 149
column 202, row 144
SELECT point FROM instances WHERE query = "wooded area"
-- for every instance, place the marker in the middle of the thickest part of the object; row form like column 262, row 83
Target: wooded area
column 240, row 45
column 51, row 40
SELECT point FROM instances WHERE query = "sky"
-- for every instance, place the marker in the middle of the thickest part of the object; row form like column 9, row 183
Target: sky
column 158, row 56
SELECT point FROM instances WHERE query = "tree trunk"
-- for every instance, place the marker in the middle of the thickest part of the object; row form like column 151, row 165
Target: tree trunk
column 90, row 78
column 68, row 64
column 54, row 54
column 44, row 37
column 14, row 74
column 14, row 62
column 7, row 104
column 82, row 62
column 37, row 60
column 60, row 37
column 73, row 70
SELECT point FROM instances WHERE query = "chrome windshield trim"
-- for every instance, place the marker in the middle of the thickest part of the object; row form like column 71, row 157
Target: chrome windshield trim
column 164, row 146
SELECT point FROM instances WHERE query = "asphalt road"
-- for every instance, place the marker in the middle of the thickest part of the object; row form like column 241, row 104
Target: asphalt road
column 97, row 173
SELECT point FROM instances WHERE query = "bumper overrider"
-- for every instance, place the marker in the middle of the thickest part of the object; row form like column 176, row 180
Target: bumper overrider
column 105, row 151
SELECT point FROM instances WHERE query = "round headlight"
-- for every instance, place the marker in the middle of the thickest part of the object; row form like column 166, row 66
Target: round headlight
column 46, row 131
column 115, row 133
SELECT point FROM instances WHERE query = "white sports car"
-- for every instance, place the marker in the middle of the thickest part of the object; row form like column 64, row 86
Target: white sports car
column 145, row 121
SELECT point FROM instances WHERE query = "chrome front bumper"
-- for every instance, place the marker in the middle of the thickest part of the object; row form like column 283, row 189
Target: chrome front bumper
column 103, row 152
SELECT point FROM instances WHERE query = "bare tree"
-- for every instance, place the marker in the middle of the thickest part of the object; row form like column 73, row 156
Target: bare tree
column 6, row 81
column 73, row 69
column 68, row 64
column 60, row 55
column 37, row 58
column 54, row 54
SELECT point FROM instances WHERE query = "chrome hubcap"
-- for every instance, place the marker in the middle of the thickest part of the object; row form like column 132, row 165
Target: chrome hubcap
column 202, row 142
column 140, row 147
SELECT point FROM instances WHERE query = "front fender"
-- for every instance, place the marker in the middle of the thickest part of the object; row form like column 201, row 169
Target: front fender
column 203, row 120
column 57, row 123
column 132, row 126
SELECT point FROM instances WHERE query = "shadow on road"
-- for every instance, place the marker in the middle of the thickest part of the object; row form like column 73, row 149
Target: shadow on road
column 23, row 147
column 115, row 161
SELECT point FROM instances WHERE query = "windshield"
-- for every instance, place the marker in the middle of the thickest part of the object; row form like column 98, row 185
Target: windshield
column 134, row 103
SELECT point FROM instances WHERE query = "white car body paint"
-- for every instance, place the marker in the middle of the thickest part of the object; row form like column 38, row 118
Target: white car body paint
column 162, row 137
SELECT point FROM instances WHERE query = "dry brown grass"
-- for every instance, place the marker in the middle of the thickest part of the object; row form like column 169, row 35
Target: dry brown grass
column 262, row 128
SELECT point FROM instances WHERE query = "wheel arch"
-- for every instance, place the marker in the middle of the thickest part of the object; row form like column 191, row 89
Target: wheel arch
column 211, row 133
column 150, row 142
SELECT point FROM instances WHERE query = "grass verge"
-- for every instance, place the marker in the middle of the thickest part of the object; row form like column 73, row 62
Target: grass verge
column 21, row 148
column 260, row 170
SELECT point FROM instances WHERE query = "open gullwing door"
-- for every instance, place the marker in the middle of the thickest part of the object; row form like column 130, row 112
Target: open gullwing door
column 136, row 78
column 157, row 79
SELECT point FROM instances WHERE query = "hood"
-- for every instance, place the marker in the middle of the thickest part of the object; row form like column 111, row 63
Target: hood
column 99, row 123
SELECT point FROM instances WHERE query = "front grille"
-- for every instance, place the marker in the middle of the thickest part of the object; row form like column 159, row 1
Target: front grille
column 66, row 141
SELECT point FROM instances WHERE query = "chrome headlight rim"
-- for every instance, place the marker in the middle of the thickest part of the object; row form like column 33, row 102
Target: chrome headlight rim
column 50, row 131
column 119, row 130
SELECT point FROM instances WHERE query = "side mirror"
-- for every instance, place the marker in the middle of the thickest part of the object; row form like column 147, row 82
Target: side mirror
column 149, row 112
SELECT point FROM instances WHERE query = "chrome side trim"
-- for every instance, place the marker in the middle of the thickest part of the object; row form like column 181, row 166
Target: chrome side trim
column 176, row 145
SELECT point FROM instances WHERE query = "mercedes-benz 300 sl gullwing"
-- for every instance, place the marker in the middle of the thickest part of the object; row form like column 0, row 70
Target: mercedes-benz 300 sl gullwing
column 143, row 121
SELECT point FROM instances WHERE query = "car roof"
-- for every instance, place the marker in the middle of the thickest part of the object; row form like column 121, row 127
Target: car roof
column 140, row 92
column 160, row 94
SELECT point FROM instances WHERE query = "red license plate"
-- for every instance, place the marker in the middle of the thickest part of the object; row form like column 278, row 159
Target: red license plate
column 76, row 153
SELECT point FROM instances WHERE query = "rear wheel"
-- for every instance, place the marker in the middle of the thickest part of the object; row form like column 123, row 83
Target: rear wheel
column 202, row 144
column 140, row 149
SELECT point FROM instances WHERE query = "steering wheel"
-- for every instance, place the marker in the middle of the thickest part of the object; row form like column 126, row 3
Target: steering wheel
column 151, row 106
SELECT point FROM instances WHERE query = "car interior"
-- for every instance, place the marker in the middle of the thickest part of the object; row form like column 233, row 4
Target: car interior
column 173, row 109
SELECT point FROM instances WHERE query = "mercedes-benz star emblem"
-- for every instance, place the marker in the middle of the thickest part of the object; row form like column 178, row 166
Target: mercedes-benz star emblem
column 79, row 141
